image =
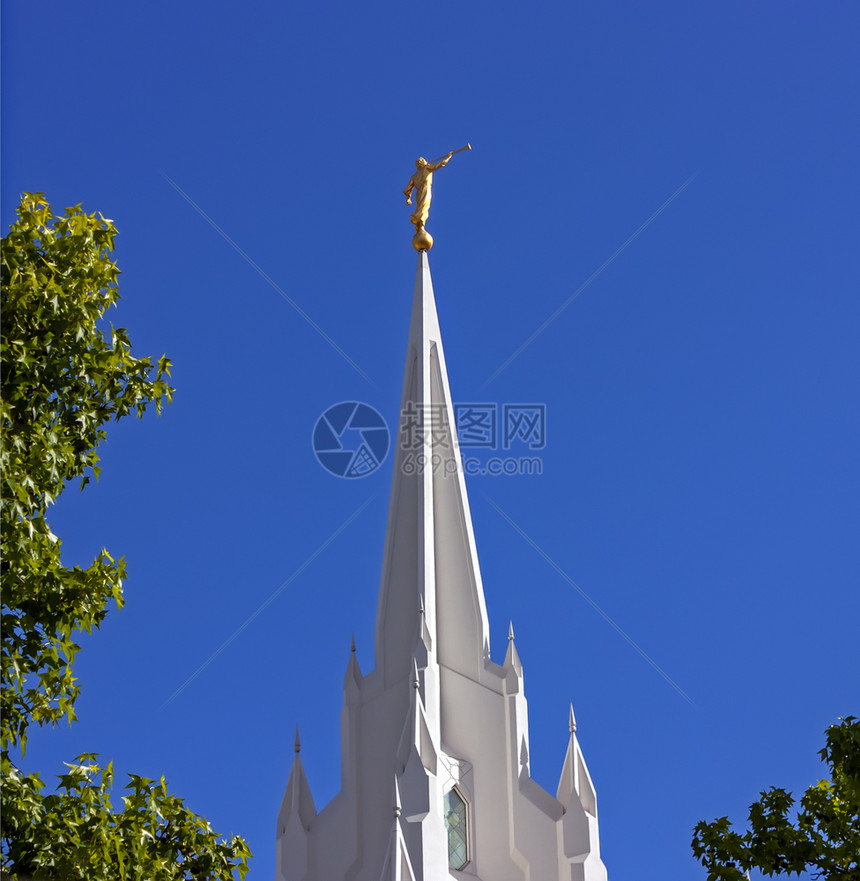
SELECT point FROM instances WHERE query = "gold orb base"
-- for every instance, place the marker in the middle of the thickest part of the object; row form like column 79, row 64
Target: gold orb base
column 422, row 241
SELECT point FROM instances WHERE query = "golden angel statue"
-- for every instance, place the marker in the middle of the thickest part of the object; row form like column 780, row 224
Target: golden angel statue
column 422, row 184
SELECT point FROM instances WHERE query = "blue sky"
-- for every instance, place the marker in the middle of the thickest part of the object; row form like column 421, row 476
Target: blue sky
column 700, row 479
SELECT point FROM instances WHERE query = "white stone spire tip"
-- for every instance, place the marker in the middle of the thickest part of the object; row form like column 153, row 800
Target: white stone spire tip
column 297, row 744
column 572, row 721
column 511, row 630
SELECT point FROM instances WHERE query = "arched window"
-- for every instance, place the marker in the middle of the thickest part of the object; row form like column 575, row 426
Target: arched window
column 456, row 822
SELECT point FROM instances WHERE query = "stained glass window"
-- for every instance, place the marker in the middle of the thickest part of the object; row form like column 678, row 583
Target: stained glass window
column 455, row 823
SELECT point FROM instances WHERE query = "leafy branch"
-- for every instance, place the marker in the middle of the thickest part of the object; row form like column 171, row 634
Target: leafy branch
column 823, row 838
column 65, row 374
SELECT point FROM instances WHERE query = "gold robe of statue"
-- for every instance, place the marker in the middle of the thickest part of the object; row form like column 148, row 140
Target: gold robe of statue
column 422, row 183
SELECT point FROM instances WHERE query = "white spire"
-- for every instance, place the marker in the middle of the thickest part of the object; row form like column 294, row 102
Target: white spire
column 294, row 820
column 352, row 678
column 512, row 658
column 575, row 780
column 397, row 865
column 298, row 801
column 415, row 736
column 579, row 838
column 430, row 555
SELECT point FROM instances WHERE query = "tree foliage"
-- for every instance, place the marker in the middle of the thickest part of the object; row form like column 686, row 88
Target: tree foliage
column 63, row 379
column 65, row 375
column 823, row 838
column 80, row 837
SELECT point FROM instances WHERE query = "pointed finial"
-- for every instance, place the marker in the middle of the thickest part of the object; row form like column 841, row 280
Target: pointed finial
column 416, row 679
column 420, row 605
column 297, row 746
column 397, row 805
column 511, row 630
column 572, row 720
column 352, row 644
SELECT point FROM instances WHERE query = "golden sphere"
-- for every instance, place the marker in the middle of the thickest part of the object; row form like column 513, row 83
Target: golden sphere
column 422, row 241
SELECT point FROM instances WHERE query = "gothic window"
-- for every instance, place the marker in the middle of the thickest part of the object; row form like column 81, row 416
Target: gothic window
column 456, row 816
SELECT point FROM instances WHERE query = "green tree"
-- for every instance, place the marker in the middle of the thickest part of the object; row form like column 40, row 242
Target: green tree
column 822, row 839
column 65, row 375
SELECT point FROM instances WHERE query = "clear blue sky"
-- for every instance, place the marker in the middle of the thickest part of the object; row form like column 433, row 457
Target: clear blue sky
column 700, row 475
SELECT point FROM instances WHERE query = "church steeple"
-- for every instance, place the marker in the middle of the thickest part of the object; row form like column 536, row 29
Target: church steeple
column 436, row 714
column 430, row 560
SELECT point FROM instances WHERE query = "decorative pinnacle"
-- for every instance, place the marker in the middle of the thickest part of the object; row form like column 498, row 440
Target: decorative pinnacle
column 352, row 644
column 421, row 605
column 511, row 630
column 297, row 746
column 572, row 721
column 416, row 680
column 397, row 805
